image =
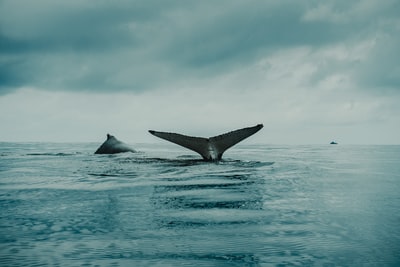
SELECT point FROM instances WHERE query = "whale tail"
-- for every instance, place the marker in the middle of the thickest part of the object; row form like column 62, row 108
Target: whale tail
column 209, row 148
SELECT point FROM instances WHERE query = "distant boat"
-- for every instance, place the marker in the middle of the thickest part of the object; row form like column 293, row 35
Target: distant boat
column 333, row 143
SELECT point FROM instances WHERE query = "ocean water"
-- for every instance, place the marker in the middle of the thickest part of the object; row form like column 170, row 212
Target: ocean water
column 263, row 205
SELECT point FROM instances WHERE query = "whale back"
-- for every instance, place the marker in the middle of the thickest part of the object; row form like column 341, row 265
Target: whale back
column 112, row 146
column 209, row 148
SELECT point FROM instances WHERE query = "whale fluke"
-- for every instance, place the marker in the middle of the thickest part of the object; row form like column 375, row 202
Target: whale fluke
column 209, row 148
column 112, row 145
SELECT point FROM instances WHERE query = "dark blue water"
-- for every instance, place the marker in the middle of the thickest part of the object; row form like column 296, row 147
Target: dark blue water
column 61, row 205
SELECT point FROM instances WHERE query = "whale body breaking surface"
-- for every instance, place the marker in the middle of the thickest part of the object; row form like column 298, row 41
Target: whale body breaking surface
column 112, row 146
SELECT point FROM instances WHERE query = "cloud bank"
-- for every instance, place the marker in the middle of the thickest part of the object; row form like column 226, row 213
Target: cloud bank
column 138, row 45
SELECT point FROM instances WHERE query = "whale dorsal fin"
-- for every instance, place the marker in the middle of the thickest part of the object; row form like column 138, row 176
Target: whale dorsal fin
column 209, row 148
column 112, row 145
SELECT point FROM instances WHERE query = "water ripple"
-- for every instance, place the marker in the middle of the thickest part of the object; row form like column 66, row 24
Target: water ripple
column 61, row 205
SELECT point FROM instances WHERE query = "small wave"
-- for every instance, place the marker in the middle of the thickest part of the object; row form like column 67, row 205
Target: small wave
column 197, row 223
column 247, row 164
column 114, row 173
column 53, row 154
column 194, row 186
column 188, row 157
column 178, row 162
column 187, row 203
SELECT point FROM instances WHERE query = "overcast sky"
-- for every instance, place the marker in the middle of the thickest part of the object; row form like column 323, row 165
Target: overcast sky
column 310, row 71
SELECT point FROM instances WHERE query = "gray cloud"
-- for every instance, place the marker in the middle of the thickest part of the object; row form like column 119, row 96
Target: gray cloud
column 382, row 68
column 137, row 45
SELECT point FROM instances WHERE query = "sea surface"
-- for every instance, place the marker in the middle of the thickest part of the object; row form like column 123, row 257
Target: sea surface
column 262, row 205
